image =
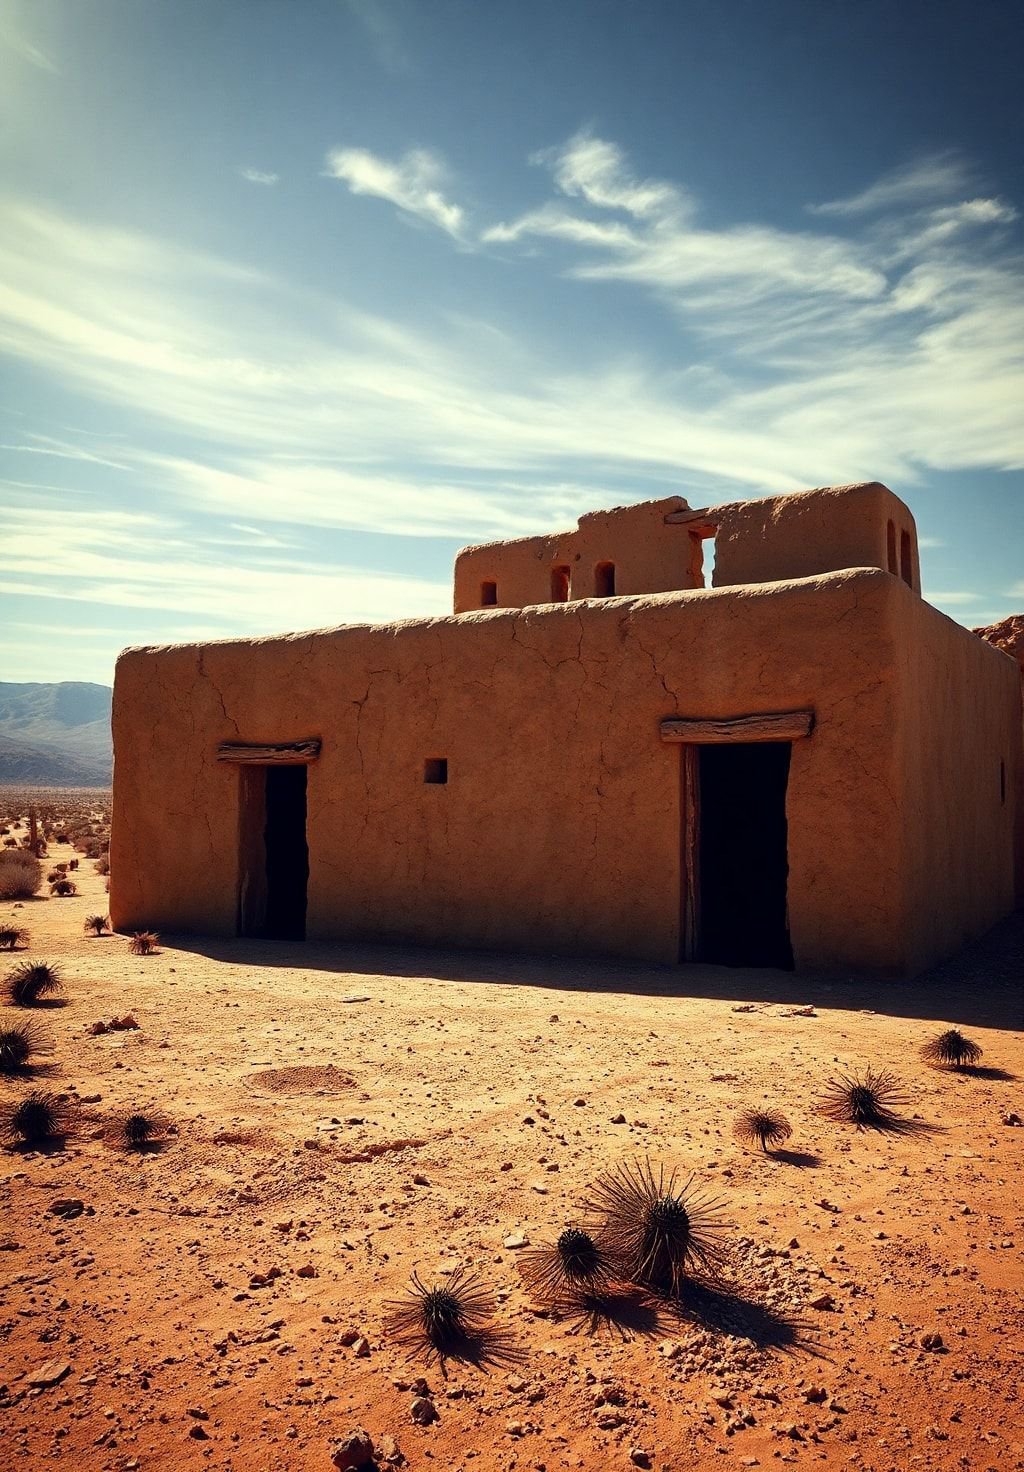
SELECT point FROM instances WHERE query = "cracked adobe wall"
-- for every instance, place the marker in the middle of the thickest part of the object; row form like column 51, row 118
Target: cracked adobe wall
column 559, row 827
column 962, row 780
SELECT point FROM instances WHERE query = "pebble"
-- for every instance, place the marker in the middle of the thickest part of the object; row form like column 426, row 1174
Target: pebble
column 423, row 1410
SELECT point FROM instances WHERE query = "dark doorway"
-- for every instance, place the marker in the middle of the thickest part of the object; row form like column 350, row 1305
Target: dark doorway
column 274, row 867
column 742, row 857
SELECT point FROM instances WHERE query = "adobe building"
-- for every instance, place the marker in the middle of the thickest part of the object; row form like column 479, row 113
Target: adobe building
column 803, row 764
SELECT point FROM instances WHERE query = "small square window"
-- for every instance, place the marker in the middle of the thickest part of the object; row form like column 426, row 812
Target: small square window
column 435, row 769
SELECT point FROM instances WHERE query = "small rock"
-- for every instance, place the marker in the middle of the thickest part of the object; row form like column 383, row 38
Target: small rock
column 823, row 1301
column 516, row 1239
column 639, row 1457
column 353, row 1452
column 618, row 1119
column 67, row 1207
column 361, row 1349
column 50, row 1372
column 423, row 1410
column 307, row 1270
column 933, row 1340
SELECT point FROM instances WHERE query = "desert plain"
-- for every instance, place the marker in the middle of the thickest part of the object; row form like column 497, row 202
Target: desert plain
column 340, row 1116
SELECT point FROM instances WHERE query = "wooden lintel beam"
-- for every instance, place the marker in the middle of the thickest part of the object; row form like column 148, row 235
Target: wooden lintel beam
column 267, row 755
column 788, row 725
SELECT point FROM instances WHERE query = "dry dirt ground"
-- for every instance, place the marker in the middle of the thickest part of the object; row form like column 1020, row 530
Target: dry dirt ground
column 207, row 1298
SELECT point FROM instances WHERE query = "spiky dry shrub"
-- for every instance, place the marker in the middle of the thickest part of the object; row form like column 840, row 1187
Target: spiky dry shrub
column 144, row 943
column 139, row 1131
column 97, row 924
column 21, row 874
column 12, row 937
column 102, row 864
column 951, row 1049
column 38, row 1119
column 764, row 1127
column 28, row 984
column 20, row 1043
column 658, row 1229
column 443, row 1319
column 569, row 1271
column 63, row 888
column 869, row 1101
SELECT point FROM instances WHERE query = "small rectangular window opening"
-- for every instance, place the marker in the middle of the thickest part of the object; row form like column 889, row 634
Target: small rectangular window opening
column 488, row 594
column 906, row 560
column 604, row 580
column 559, row 585
column 703, row 557
column 435, row 770
column 890, row 547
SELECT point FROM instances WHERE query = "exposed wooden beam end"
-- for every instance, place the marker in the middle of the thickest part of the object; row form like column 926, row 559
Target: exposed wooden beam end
column 788, row 725
column 268, row 755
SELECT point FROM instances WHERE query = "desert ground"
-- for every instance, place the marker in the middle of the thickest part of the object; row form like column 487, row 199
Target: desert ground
column 340, row 1116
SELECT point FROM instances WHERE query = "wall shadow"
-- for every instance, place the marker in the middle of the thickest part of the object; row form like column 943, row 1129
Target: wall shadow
column 980, row 986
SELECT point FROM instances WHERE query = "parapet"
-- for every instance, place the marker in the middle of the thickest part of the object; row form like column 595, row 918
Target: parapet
column 660, row 547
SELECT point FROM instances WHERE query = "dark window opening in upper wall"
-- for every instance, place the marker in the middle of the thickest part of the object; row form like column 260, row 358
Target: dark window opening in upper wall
column 604, row 580
column 488, row 594
column 435, row 770
column 906, row 560
column 559, row 584
column 703, row 560
column 890, row 547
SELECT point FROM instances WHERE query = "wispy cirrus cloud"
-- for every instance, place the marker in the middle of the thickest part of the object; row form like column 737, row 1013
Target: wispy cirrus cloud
column 809, row 359
column 927, row 179
column 664, row 247
column 93, row 557
column 415, row 183
column 258, row 176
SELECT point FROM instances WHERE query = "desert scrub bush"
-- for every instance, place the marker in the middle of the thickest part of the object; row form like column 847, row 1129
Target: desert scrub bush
column 764, row 1127
column 657, row 1230
column 12, row 937
column 869, row 1100
column 139, row 1131
column 38, row 1119
column 441, row 1319
column 96, row 924
column 63, row 888
column 32, row 982
column 144, row 943
column 951, row 1049
column 21, row 874
column 572, row 1270
column 20, row 1043
column 102, row 864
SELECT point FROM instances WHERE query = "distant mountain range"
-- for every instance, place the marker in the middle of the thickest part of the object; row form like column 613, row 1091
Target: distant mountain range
column 55, row 735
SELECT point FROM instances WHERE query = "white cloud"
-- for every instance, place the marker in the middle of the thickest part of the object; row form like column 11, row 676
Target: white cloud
column 809, row 360
column 257, row 176
column 414, row 183
column 106, row 558
column 665, row 250
column 596, row 171
column 937, row 177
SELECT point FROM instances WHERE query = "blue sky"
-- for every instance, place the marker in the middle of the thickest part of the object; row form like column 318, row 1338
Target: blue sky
column 299, row 296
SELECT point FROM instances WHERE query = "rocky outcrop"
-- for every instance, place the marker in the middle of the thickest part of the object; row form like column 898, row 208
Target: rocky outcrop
column 1007, row 635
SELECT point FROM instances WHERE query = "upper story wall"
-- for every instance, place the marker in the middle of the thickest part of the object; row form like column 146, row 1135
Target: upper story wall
column 661, row 546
